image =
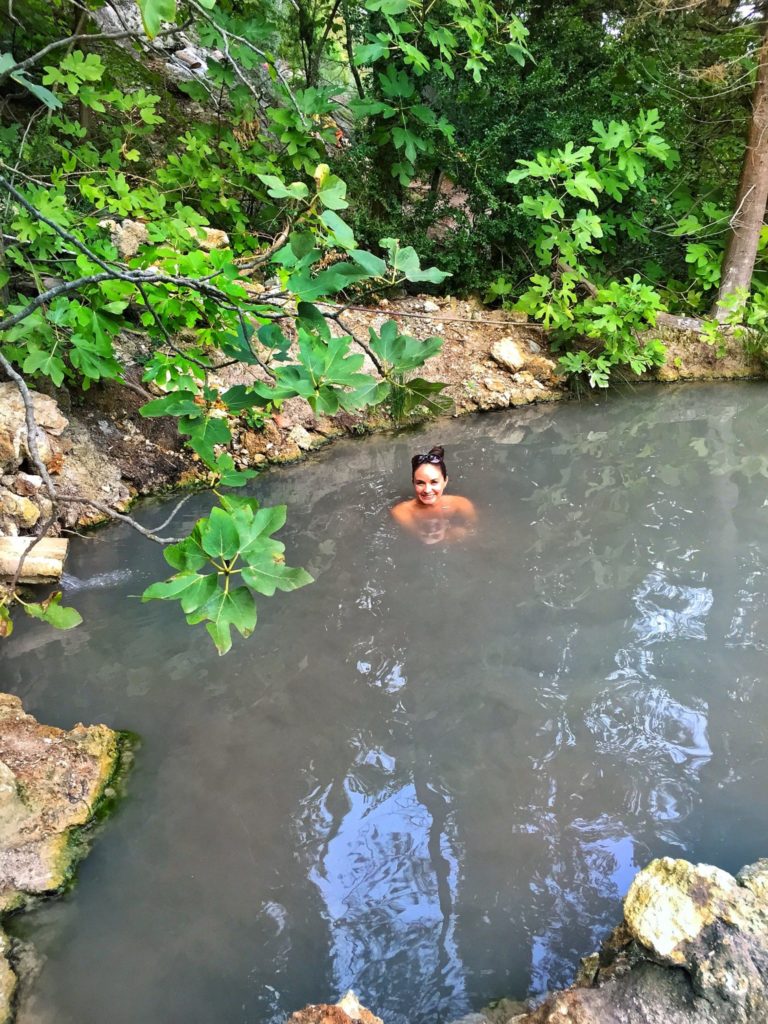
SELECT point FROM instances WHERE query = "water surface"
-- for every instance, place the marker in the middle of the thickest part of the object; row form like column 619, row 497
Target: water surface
column 432, row 775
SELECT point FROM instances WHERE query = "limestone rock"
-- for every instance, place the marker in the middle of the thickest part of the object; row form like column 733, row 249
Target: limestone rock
column 210, row 239
column 13, row 426
column 22, row 510
column 7, row 981
column 508, row 353
column 50, row 781
column 671, row 902
column 301, row 437
column 347, row 1011
column 351, row 1005
column 127, row 236
column 27, row 484
column 693, row 949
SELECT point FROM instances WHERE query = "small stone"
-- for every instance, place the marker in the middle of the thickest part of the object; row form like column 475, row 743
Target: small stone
column 192, row 59
column 301, row 437
column 23, row 511
column 27, row 484
column 534, row 346
column 430, row 307
column 127, row 236
column 508, row 354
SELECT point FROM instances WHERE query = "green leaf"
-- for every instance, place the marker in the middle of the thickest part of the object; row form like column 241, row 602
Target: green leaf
column 219, row 536
column 238, row 345
column 178, row 403
column 39, row 361
column 327, row 282
column 51, row 611
column 226, row 609
column 7, row 60
column 369, row 53
column 190, row 588
column 341, row 231
column 400, row 352
column 204, row 434
column 154, row 13
column 279, row 190
column 406, row 262
column 333, row 192
column 50, row 99
column 266, row 576
column 372, row 265
column 6, row 622
column 188, row 554
column 419, row 392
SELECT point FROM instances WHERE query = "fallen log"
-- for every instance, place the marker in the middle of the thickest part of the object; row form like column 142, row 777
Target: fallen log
column 43, row 564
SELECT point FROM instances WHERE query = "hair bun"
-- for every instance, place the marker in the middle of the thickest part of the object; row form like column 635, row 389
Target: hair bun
column 437, row 450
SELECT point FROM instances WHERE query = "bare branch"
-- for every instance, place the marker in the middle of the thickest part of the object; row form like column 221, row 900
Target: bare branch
column 276, row 244
column 114, row 514
column 58, row 43
column 225, row 33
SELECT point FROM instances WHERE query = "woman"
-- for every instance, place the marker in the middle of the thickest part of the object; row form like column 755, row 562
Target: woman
column 433, row 515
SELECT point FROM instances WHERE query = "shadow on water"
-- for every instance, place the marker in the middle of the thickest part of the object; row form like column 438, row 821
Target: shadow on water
column 432, row 775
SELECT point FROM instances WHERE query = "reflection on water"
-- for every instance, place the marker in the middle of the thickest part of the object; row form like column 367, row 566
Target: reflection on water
column 431, row 776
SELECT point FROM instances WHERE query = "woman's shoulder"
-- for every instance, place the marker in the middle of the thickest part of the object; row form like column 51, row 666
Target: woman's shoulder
column 458, row 503
column 402, row 510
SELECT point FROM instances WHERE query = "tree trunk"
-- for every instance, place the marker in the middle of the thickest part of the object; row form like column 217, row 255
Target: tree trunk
column 747, row 220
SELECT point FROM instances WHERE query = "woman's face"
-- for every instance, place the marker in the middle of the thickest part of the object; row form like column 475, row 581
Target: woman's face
column 428, row 483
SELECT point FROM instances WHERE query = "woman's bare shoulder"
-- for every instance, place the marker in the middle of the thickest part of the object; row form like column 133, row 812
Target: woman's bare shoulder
column 402, row 510
column 462, row 505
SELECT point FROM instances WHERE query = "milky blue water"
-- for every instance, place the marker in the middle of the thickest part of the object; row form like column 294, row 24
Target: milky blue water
column 431, row 775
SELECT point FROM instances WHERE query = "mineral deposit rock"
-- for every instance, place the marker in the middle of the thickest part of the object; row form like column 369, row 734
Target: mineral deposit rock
column 50, row 781
column 508, row 353
column 347, row 1011
column 693, row 949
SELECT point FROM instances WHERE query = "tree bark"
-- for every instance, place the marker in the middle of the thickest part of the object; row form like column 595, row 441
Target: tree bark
column 747, row 220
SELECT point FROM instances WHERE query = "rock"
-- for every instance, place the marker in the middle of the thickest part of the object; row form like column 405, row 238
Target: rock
column 508, row 353
column 301, row 437
column 534, row 346
column 430, row 307
column 692, row 949
column 347, row 1011
column 351, row 1005
column 127, row 236
column 210, row 239
column 27, row 484
column 23, row 511
column 495, row 384
column 13, row 426
column 50, row 782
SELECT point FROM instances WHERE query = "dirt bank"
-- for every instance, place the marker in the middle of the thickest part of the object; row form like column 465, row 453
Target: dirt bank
column 98, row 446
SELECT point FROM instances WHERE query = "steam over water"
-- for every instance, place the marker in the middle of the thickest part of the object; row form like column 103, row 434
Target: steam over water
column 432, row 775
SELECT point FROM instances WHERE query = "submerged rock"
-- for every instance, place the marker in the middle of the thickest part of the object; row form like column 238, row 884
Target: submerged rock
column 50, row 782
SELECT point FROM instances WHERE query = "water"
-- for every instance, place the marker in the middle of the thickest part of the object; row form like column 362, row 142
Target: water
column 432, row 775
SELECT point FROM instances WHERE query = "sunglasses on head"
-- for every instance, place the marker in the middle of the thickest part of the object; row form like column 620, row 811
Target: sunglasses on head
column 419, row 460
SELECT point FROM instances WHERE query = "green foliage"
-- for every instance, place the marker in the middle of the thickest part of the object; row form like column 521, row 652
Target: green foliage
column 50, row 611
column 229, row 557
column 568, row 236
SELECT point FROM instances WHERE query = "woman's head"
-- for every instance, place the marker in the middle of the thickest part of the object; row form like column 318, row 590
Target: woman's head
column 429, row 475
